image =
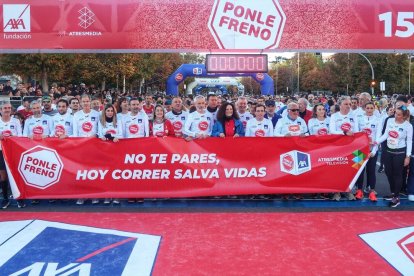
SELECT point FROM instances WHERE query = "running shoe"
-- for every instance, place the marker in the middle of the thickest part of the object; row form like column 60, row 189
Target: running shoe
column 395, row 202
column 95, row 201
column 21, row 204
column 52, row 200
column 350, row 196
column 35, row 202
column 140, row 200
column 324, row 196
column 116, row 201
column 297, row 197
column 107, row 201
column 389, row 197
column 336, row 196
column 372, row 196
column 131, row 200
column 5, row 203
column 381, row 169
column 359, row 194
column 80, row 201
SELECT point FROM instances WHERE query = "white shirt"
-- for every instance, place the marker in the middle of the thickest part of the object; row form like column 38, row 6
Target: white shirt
column 135, row 126
column 85, row 125
column 213, row 115
column 340, row 123
column 37, row 126
column 286, row 125
column 317, row 127
column 177, row 121
column 10, row 128
column 62, row 124
column 398, row 135
column 198, row 123
column 254, row 128
column 371, row 125
column 121, row 116
column 246, row 116
column 111, row 129
column 278, row 106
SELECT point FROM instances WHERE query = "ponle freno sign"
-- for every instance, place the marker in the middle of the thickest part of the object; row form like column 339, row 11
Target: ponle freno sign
column 245, row 25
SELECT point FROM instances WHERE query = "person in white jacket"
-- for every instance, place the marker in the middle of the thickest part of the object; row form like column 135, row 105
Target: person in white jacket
column 292, row 124
column 199, row 124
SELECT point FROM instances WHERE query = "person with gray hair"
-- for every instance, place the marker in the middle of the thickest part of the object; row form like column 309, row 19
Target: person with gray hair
column 363, row 99
column 199, row 124
column 9, row 127
column 292, row 124
column 244, row 115
column 343, row 122
column 304, row 113
column 39, row 126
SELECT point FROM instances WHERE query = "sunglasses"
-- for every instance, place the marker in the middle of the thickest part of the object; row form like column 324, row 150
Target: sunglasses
column 294, row 110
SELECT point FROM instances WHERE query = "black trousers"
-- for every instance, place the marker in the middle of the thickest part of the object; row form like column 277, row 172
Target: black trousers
column 5, row 187
column 394, row 167
column 370, row 171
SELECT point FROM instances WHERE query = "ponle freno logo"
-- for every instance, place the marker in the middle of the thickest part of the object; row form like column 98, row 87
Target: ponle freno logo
column 246, row 24
column 295, row 162
column 40, row 167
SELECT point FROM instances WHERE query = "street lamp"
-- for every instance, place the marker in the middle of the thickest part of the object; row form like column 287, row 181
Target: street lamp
column 409, row 75
column 372, row 73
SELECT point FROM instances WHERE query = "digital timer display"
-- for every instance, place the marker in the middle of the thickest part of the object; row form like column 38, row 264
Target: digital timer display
column 234, row 63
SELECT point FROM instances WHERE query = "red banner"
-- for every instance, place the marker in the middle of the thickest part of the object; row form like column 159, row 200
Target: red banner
column 206, row 25
column 172, row 167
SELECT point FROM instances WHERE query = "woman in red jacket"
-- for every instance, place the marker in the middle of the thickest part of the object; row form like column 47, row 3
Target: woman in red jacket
column 160, row 127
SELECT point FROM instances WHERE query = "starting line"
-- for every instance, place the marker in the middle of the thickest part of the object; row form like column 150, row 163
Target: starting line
column 209, row 243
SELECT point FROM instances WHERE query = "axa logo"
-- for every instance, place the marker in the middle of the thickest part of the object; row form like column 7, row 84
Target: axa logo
column 16, row 18
column 50, row 248
column 295, row 162
column 396, row 246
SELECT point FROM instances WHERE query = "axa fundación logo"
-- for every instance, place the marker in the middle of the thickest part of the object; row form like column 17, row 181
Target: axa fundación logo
column 16, row 21
column 86, row 20
column 396, row 246
column 295, row 162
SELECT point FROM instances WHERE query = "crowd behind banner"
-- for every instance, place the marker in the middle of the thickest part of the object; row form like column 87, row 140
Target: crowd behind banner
column 84, row 112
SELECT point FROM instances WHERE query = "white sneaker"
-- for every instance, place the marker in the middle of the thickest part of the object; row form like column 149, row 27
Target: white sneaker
column 336, row 197
column 107, row 201
column 95, row 201
column 116, row 201
column 80, row 201
column 411, row 197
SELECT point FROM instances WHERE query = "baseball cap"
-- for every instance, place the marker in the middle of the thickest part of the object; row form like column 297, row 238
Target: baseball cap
column 270, row 103
column 46, row 98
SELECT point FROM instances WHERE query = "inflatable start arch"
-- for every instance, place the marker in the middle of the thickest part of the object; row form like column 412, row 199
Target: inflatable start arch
column 199, row 70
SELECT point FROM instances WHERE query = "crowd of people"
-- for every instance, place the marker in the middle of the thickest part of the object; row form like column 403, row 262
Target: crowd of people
column 113, row 116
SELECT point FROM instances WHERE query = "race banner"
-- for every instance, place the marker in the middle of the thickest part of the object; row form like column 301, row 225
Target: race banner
column 172, row 167
column 206, row 25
